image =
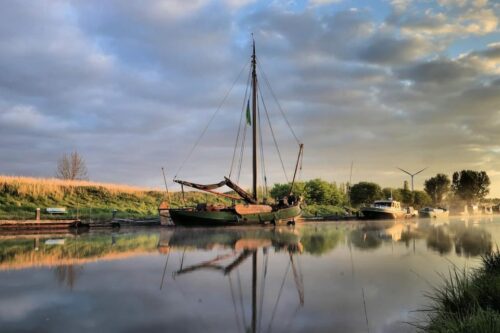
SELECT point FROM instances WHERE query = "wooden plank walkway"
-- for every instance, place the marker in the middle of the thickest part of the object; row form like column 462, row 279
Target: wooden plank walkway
column 38, row 224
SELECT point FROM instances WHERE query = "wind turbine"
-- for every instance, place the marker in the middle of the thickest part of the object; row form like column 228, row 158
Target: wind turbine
column 412, row 175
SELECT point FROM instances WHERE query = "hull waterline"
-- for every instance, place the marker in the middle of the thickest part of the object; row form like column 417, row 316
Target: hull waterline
column 191, row 217
column 374, row 214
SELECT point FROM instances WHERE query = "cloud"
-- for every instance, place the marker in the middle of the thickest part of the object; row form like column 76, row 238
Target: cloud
column 316, row 3
column 439, row 71
column 131, row 86
column 453, row 18
column 27, row 118
column 391, row 50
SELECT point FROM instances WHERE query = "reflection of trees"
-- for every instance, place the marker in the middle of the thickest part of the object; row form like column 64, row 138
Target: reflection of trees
column 28, row 252
column 472, row 242
column 68, row 274
column 409, row 235
column 439, row 240
column 365, row 239
column 318, row 241
column 469, row 241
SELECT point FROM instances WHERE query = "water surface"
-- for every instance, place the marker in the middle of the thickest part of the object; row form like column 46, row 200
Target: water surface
column 316, row 277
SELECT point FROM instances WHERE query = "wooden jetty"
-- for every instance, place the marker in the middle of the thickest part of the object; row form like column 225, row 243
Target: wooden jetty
column 148, row 222
column 101, row 225
column 39, row 224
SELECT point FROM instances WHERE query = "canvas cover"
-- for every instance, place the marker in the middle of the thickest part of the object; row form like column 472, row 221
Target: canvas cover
column 252, row 209
column 201, row 186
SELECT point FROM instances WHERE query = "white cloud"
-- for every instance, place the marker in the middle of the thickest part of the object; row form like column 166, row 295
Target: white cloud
column 27, row 117
column 455, row 18
column 117, row 77
column 316, row 3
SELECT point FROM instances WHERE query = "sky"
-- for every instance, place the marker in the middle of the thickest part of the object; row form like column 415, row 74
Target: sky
column 131, row 85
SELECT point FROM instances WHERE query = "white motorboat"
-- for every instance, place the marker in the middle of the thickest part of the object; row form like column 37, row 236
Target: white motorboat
column 384, row 209
column 433, row 212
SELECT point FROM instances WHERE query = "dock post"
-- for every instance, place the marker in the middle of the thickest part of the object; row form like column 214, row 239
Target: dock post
column 38, row 214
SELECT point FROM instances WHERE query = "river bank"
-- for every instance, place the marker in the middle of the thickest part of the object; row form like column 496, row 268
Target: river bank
column 467, row 301
column 92, row 201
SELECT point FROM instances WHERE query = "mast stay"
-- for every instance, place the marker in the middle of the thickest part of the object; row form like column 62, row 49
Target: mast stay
column 252, row 197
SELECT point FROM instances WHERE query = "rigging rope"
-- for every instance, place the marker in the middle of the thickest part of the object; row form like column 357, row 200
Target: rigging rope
column 262, row 161
column 274, row 137
column 210, row 121
column 241, row 153
column 261, row 70
column 240, row 125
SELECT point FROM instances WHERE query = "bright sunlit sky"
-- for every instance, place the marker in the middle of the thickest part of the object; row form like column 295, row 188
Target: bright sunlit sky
column 132, row 84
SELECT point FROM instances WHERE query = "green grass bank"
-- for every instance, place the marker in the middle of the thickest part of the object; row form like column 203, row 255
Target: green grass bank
column 467, row 301
column 20, row 196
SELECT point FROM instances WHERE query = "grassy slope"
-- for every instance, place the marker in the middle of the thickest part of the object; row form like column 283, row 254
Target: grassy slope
column 20, row 196
column 468, row 302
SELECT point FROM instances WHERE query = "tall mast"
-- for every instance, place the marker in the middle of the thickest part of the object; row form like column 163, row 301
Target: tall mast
column 254, row 122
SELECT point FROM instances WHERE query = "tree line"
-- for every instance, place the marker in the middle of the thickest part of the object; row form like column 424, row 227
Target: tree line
column 465, row 185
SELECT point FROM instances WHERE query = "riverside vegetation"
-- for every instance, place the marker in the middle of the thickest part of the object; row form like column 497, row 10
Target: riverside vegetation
column 20, row 196
column 467, row 302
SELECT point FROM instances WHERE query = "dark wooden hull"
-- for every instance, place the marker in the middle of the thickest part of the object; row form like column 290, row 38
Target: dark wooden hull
column 191, row 217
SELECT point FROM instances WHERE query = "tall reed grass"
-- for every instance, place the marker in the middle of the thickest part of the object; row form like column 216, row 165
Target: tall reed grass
column 19, row 196
column 34, row 187
column 467, row 301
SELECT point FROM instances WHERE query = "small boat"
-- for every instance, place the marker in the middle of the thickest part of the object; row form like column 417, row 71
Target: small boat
column 433, row 212
column 384, row 209
column 247, row 208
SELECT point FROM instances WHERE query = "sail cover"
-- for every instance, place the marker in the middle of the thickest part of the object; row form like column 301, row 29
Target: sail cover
column 241, row 192
column 209, row 187
column 200, row 186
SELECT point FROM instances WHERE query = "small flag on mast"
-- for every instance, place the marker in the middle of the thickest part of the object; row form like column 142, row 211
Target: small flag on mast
column 249, row 118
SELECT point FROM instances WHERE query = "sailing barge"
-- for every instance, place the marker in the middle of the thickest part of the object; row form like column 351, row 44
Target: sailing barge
column 251, row 209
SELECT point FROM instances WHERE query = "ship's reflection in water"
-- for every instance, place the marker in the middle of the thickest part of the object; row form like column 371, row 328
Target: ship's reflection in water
column 322, row 277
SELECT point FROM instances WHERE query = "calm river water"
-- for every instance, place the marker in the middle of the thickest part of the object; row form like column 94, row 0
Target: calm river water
column 316, row 277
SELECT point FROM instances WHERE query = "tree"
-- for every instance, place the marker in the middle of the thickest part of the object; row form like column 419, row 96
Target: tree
column 421, row 199
column 437, row 187
column 365, row 193
column 394, row 193
column 321, row 192
column 71, row 167
column 315, row 191
column 282, row 190
column 470, row 185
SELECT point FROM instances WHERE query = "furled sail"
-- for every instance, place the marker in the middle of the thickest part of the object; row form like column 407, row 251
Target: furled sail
column 241, row 192
column 201, row 186
column 209, row 187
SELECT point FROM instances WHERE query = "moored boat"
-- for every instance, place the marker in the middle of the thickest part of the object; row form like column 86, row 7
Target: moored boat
column 247, row 207
column 433, row 212
column 384, row 209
